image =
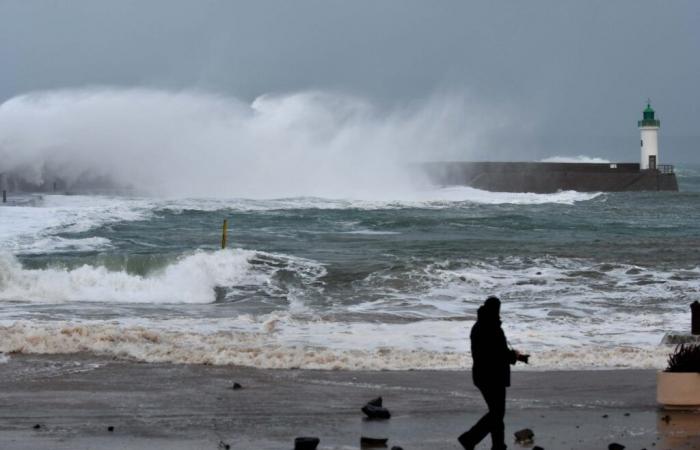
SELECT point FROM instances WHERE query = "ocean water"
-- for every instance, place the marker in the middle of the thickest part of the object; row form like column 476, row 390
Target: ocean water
column 587, row 280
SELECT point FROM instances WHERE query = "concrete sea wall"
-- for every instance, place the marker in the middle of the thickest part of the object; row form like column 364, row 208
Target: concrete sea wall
column 550, row 177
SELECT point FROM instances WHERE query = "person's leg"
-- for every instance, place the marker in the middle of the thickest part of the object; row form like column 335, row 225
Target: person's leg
column 496, row 400
column 470, row 438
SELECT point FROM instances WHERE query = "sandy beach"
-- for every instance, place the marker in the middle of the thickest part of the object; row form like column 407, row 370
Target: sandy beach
column 75, row 398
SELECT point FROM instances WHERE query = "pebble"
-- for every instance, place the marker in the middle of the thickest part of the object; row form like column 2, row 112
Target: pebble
column 369, row 442
column 376, row 412
column 376, row 402
column 306, row 443
column 374, row 409
column 524, row 436
column 236, row 386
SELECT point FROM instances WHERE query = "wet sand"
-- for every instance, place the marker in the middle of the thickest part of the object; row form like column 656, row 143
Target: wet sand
column 75, row 398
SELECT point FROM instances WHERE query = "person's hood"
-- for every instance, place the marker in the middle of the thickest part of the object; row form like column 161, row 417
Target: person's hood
column 488, row 314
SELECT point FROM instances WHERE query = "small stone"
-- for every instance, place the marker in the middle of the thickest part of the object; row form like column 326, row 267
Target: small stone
column 37, row 426
column 369, row 442
column 236, row 386
column 627, row 414
column 616, row 446
column 396, row 447
column 224, row 446
column 463, row 278
column 376, row 412
column 375, row 402
column 524, row 436
column 537, row 447
column 306, row 443
column 110, row 428
column 605, row 416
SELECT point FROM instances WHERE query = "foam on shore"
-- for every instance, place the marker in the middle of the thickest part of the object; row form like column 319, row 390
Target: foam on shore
column 272, row 348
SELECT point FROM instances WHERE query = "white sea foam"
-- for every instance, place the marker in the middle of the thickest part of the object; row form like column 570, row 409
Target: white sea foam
column 190, row 279
column 385, row 346
column 434, row 198
column 576, row 159
column 33, row 228
column 537, row 289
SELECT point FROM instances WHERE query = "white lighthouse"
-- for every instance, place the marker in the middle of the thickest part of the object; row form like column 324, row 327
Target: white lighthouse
column 649, row 127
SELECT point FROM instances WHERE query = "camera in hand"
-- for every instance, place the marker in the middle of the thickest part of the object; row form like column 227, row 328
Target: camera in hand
column 523, row 358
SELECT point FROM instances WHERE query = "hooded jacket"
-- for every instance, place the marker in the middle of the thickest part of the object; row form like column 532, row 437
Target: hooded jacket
column 490, row 352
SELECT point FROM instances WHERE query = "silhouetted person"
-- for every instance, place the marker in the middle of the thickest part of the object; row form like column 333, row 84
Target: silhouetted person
column 491, row 372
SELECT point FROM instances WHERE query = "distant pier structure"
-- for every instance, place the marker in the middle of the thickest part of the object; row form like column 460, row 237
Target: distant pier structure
column 543, row 177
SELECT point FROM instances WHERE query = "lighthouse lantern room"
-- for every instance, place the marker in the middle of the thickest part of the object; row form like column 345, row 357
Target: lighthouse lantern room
column 649, row 127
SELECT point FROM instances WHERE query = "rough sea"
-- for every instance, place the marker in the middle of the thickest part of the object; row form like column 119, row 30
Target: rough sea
column 587, row 280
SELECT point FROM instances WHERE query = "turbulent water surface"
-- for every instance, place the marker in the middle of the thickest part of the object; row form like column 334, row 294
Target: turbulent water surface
column 587, row 280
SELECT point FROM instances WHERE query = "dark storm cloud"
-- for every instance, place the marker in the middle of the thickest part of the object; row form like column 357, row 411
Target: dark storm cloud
column 579, row 70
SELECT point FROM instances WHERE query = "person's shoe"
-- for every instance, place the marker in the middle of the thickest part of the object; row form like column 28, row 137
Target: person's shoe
column 464, row 440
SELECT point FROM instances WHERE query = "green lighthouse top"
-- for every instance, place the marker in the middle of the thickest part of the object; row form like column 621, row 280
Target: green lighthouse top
column 648, row 118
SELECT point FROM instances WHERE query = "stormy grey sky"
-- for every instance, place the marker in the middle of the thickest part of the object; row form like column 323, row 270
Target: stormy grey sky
column 579, row 71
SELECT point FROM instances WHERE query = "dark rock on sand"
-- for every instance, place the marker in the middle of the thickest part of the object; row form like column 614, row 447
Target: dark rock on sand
column 110, row 428
column 368, row 442
column 224, row 446
column 605, row 416
column 537, row 447
column 616, row 446
column 374, row 409
column 306, row 443
column 236, row 386
column 37, row 426
column 396, row 447
column 524, row 436
column 376, row 402
column 376, row 412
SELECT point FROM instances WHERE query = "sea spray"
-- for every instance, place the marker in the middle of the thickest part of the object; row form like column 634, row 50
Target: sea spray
column 200, row 144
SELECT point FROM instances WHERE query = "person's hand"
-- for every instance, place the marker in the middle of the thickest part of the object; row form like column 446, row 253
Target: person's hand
column 522, row 357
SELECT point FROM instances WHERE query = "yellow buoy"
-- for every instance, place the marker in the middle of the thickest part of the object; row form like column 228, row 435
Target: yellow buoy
column 224, row 234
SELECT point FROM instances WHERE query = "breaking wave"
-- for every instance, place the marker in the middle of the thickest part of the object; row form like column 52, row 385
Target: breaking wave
column 270, row 349
column 191, row 279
